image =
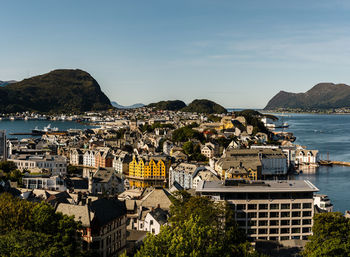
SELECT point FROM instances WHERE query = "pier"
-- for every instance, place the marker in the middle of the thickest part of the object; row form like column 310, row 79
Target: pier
column 331, row 163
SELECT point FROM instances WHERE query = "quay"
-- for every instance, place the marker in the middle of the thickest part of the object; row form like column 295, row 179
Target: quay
column 331, row 163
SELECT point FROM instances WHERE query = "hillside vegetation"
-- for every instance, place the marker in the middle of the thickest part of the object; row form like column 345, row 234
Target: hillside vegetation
column 321, row 96
column 55, row 92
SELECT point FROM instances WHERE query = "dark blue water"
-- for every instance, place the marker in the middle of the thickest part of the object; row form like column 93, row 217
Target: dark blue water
column 22, row 126
column 328, row 134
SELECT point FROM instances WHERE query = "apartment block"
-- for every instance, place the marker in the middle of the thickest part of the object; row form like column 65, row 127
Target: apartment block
column 267, row 210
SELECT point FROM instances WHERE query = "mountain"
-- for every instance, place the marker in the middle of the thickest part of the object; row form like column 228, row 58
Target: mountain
column 321, row 96
column 171, row 105
column 5, row 83
column 204, row 106
column 134, row 106
column 55, row 92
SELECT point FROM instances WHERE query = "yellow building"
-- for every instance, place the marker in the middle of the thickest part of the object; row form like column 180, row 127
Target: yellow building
column 148, row 173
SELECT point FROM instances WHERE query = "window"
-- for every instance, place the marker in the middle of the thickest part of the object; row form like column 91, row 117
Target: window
column 285, row 222
column 153, row 231
column 252, row 223
column 306, row 213
column 273, row 230
column 296, row 222
column 274, row 214
column 262, row 231
column 285, row 214
column 251, row 231
column 151, row 222
column 274, row 222
column 295, row 230
column 241, row 215
column 263, row 215
column 306, row 230
column 284, row 238
column 296, row 214
column 240, row 207
column 263, row 206
column 285, row 230
column 285, row 206
column 263, row 222
column 307, row 222
column 252, row 206
column 274, row 206
column 296, row 206
column 251, row 214
column 306, row 205
column 241, row 223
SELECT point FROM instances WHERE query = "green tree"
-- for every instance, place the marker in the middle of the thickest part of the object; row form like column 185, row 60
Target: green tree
column 331, row 236
column 199, row 227
column 56, row 231
column 7, row 166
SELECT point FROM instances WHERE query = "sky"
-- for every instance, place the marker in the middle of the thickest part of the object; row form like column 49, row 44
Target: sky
column 236, row 53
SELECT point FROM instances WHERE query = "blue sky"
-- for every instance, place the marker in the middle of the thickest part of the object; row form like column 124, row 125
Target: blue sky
column 237, row 53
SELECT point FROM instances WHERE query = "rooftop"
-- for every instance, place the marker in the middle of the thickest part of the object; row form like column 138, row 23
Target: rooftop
column 257, row 186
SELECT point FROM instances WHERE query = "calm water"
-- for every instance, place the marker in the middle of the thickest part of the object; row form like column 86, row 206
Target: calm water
column 22, row 126
column 328, row 134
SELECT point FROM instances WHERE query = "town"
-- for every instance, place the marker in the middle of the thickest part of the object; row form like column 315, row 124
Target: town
column 118, row 178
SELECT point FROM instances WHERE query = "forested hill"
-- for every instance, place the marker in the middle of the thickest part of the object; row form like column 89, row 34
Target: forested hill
column 320, row 97
column 54, row 92
column 198, row 105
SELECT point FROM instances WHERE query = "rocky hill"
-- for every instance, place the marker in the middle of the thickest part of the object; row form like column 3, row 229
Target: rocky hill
column 320, row 97
column 171, row 105
column 204, row 106
column 54, row 92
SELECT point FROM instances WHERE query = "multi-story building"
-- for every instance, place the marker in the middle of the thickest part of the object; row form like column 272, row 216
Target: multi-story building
column 121, row 162
column 182, row 174
column 145, row 173
column 3, row 145
column 323, row 203
column 104, row 158
column 103, row 225
column 105, row 181
column 76, row 157
column 55, row 164
column 267, row 210
column 55, row 183
column 307, row 157
column 89, row 158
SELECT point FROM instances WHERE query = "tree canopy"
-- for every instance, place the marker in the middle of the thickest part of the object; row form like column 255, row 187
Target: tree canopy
column 35, row 229
column 199, row 227
column 331, row 236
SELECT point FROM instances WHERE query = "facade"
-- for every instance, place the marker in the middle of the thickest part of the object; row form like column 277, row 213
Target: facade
column 55, row 164
column 182, row 174
column 267, row 210
column 105, row 181
column 76, row 157
column 307, row 157
column 144, row 173
column 154, row 220
column 103, row 225
column 89, row 158
column 54, row 183
column 3, row 145
column 121, row 163
column 323, row 203
column 104, row 159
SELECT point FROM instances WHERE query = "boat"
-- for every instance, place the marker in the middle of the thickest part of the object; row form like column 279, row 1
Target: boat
column 45, row 130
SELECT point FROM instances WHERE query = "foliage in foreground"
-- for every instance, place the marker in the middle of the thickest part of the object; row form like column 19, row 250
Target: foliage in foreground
column 331, row 236
column 199, row 227
column 33, row 229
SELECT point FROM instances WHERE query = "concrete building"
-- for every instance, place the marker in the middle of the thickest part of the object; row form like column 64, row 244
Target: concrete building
column 182, row 174
column 55, row 164
column 3, row 145
column 267, row 210
column 323, row 203
column 55, row 183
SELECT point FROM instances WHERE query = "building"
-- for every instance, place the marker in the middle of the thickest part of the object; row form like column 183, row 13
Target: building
column 89, row 158
column 267, row 210
column 121, row 162
column 103, row 225
column 104, row 158
column 76, row 157
column 144, row 173
column 55, row 164
column 182, row 174
column 54, row 183
column 323, row 203
column 105, row 181
column 153, row 220
column 3, row 145
column 307, row 157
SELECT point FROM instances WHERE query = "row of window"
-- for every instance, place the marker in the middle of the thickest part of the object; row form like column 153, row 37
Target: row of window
column 264, row 231
column 273, row 206
column 283, row 214
column 272, row 223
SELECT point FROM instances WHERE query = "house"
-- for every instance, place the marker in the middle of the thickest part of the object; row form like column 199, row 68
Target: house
column 306, row 157
column 154, row 220
column 103, row 225
column 182, row 174
column 89, row 158
column 76, row 157
column 204, row 174
column 106, row 181
column 55, row 183
column 104, row 158
column 121, row 162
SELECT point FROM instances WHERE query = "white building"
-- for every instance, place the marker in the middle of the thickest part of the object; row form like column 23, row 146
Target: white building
column 323, row 202
column 55, row 164
column 55, row 183
column 306, row 157
column 182, row 174
column 89, row 158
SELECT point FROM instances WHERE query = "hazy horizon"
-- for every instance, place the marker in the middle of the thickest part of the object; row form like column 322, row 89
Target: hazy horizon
column 237, row 54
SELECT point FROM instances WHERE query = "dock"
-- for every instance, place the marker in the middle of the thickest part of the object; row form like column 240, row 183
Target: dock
column 331, row 163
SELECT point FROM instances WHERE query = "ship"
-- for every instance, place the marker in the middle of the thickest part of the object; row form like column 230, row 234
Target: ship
column 45, row 130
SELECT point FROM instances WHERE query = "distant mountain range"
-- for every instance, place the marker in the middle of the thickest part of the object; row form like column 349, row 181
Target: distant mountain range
column 198, row 105
column 322, row 96
column 134, row 106
column 54, row 92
